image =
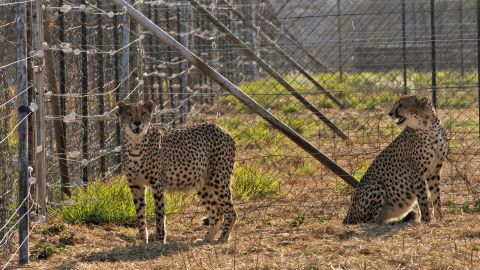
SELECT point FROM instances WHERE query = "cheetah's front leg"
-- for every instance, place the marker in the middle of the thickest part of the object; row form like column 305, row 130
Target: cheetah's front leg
column 422, row 198
column 158, row 194
column 138, row 193
column 434, row 187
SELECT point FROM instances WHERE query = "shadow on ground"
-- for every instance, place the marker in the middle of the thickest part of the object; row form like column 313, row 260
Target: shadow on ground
column 132, row 253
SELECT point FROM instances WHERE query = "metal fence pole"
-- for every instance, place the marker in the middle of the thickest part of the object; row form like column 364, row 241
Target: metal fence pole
column 404, row 49
column 462, row 60
column 23, row 113
column 434, row 60
column 231, row 88
column 83, row 29
column 339, row 29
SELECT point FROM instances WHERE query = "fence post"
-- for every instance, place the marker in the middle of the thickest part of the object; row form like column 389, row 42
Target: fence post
column 158, row 84
column 83, row 37
column 40, row 136
column 170, row 73
column 478, row 59
column 58, row 126
column 23, row 112
column 61, row 66
column 183, row 27
column 135, row 56
column 125, row 55
column 404, row 50
column 101, row 91
column 116, row 64
column 462, row 60
column 434, row 60
column 340, row 51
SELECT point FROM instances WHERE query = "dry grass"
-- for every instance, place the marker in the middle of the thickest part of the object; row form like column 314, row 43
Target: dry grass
column 271, row 237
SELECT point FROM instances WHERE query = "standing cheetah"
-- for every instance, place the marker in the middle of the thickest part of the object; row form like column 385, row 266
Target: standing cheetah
column 198, row 157
column 398, row 178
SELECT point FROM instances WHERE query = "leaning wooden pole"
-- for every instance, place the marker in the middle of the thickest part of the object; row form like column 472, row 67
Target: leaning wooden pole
column 232, row 89
column 246, row 49
column 55, row 103
column 280, row 51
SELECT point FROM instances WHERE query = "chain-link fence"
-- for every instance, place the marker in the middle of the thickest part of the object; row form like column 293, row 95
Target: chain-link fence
column 349, row 60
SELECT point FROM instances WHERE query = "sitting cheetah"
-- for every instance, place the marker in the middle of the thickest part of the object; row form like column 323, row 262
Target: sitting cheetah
column 399, row 176
column 198, row 157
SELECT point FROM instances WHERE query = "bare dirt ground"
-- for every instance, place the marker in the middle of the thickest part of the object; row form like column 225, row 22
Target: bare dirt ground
column 312, row 242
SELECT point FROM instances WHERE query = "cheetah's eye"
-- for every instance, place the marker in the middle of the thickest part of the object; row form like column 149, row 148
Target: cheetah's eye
column 129, row 114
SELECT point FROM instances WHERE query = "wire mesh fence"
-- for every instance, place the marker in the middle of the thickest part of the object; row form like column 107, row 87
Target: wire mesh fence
column 349, row 59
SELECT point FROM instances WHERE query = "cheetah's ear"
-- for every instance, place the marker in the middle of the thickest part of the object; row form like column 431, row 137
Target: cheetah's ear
column 149, row 105
column 121, row 107
column 425, row 102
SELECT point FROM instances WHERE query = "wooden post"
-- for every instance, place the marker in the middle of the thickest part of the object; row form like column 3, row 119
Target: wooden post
column 62, row 70
column 246, row 49
column 101, row 91
column 125, row 56
column 117, row 71
column 40, row 170
column 135, row 56
column 169, row 73
column 56, row 110
column 83, row 37
column 23, row 112
column 183, row 29
column 31, row 98
column 231, row 88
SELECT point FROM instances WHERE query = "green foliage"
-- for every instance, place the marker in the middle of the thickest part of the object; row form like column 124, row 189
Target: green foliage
column 361, row 170
column 68, row 239
column 53, row 230
column 250, row 183
column 111, row 202
column 297, row 221
column 312, row 267
column 340, row 185
column 42, row 250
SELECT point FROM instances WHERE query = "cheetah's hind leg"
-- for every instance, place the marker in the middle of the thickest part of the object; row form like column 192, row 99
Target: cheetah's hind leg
column 213, row 220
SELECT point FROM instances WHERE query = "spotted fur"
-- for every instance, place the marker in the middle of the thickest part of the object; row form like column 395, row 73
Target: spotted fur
column 198, row 157
column 404, row 172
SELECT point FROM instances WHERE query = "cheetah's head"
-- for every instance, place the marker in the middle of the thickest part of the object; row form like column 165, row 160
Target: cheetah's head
column 135, row 117
column 414, row 112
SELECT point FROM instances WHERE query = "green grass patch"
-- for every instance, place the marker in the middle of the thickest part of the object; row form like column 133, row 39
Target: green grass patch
column 297, row 221
column 250, row 183
column 42, row 250
column 112, row 203
column 54, row 229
